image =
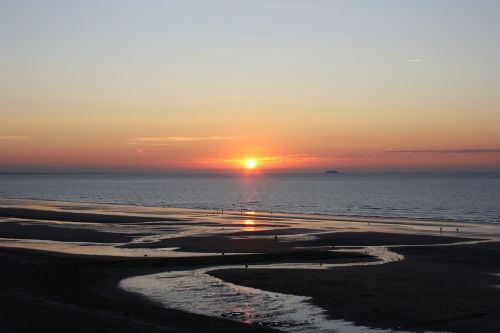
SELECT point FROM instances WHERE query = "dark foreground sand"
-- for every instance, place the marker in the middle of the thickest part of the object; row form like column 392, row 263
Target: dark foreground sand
column 50, row 292
column 449, row 288
column 46, row 292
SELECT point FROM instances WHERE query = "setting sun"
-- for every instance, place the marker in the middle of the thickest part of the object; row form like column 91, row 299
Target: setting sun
column 250, row 164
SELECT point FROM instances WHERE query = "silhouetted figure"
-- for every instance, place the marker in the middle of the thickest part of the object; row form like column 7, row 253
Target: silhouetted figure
column 440, row 230
column 223, row 253
column 246, row 266
column 276, row 237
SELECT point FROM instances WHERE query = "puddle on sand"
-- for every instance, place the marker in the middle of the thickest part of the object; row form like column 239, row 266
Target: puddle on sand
column 198, row 292
column 101, row 249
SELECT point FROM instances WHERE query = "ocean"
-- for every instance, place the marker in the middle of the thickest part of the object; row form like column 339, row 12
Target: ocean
column 467, row 197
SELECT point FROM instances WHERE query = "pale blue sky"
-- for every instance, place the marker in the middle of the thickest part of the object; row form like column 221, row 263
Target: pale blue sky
column 246, row 41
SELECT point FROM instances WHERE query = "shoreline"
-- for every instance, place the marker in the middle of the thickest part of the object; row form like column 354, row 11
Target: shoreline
column 268, row 214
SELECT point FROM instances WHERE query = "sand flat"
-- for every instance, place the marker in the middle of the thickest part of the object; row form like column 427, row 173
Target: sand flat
column 450, row 288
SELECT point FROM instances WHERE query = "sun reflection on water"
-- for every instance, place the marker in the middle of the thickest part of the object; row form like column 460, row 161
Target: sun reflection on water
column 249, row 225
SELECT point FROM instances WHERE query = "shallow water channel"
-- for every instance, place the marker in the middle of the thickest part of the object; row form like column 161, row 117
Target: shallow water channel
column 196, row 291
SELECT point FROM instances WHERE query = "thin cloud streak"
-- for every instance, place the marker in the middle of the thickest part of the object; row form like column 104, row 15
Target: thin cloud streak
column 169, row 140
column 447, row 151
column 273, row 159
column 14, row 138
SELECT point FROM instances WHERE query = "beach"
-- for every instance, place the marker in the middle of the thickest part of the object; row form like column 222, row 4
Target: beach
column 62, row 264
column 249, row 166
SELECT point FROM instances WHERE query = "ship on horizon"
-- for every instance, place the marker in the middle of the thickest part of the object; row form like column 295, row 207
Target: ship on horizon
column 331, row 171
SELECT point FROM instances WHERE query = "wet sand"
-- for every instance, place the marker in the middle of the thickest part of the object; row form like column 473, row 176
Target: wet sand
column 31, row 230
column 227, row 243
column 25, row 213
column 450, row 288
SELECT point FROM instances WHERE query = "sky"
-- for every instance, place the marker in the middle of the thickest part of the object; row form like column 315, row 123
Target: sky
column 292, row 84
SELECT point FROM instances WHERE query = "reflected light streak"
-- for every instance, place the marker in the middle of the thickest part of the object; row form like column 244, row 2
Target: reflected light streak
column 249, row 225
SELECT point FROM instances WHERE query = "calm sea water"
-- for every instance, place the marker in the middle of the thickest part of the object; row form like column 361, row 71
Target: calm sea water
column 471, row 197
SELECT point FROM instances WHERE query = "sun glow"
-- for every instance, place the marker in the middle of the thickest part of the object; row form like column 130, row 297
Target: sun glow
column 250, row 164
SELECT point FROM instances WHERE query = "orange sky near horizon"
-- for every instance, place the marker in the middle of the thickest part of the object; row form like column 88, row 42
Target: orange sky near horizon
column 231, row 153
column 294, row 85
